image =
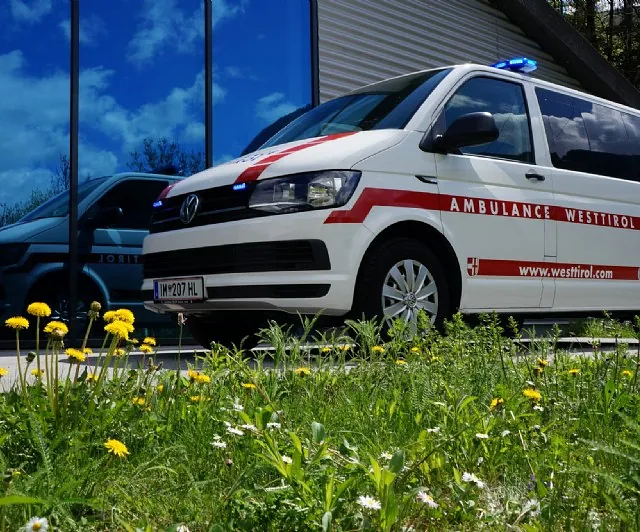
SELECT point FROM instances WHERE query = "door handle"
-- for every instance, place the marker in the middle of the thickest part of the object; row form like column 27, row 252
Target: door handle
column 533, row 175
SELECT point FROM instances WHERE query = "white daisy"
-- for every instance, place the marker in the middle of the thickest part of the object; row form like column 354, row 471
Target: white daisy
column 219, row 444
column 386, row 456
column 273, row 425
column 427, row 499
column 368, row 502
column 538, row 408
column 434, row 430
column 248, row 427
column 287, row 459
column 481, row 436
column 470, row 477
column 183, row 528
column 238, row 407
column 37, row 524
column 232, row 430
column 532, row 506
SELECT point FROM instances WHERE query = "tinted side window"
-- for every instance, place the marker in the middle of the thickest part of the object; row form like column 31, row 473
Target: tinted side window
column 506, row 102
column 584, row 136
column 632, row 124
column 135, row 197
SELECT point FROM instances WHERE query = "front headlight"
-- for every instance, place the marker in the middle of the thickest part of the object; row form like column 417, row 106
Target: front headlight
column 304, row 192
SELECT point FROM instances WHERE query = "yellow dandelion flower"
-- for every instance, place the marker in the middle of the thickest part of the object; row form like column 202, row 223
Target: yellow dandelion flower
column 37, row 372
column 92, row 377
column 574, row 371
column 134, row 341
column 146, row 349
column 435, row 359
column 41, row 310
column 326, row 349
column 118, row 352
column 17, row 322
column 116, row 447
column 4, row 372
column 76, row 354
column 542, row 362
column 149, row 341
column 627, row 373
column 159, row 388
column 302, row 371
column 196, row 398
column 119, row 329
column 87, row 351
column 495, row 402
column 125, row 315
column 415, row 349
column 56, row 327
column 249, row 385
column 532, row 394
column 401, row 362
column 198, row 377
column 345, row 347
column 377, row 349
column 109, row 316
column 138, row 401
column 539, row 369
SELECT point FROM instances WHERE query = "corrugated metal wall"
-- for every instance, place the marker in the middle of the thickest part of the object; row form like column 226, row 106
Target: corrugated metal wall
column 362, row 41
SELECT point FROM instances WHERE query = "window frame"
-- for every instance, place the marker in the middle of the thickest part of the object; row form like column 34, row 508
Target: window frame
column 550, row 142
column 437, row 114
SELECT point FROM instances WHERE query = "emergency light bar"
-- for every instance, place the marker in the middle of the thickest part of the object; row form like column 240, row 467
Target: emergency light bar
column 517, row 64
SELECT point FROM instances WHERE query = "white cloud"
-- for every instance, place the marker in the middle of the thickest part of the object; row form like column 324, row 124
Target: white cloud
column 90, row 28
column 35, row 112
column 271, row 107
column 164, row 25
column 30, row 11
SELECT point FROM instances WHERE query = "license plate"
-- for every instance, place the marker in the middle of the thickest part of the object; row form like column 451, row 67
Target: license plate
column 184, row 290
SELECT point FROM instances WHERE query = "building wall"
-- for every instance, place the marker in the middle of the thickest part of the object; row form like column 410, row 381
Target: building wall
column 362, row 41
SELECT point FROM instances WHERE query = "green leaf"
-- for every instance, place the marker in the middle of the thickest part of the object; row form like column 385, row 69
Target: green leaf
column 397, row 462
column 317, row 429
column 296, row 442
column 19, row 499
column 327, row 518
column 328, row 494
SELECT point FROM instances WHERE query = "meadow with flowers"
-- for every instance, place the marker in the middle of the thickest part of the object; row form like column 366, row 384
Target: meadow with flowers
column 465, row 429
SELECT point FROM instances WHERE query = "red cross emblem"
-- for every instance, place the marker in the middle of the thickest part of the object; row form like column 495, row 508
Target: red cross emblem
column 473, row 265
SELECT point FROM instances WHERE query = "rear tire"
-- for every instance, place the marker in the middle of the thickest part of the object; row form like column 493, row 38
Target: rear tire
column 398, row 277
column 240, row 332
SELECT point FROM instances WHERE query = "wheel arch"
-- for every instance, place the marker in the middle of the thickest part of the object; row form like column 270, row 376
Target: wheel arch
column 434, row 240
column 51, row 276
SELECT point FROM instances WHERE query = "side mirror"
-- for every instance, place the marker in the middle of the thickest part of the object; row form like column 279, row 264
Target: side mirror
column 471, row 129
column 104, row 218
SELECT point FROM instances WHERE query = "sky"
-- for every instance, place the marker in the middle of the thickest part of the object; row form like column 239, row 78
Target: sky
column 142, row 75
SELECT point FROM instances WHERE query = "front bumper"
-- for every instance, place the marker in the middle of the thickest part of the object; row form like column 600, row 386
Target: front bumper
column 290, row 263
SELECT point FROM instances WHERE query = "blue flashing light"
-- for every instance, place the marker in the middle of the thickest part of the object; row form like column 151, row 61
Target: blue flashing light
column 157, row 204
column 240, row 186
column 517, row 64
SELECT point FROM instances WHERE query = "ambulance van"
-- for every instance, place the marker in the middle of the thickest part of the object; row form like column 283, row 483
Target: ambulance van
column 467, row 188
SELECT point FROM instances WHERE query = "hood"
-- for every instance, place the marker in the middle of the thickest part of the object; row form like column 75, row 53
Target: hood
column 26, row 231
column 332, row 152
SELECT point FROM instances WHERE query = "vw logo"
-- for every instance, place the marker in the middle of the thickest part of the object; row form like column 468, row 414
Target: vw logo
column 189, row 208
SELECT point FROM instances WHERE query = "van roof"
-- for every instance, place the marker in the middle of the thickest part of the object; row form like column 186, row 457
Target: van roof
column 475, row 67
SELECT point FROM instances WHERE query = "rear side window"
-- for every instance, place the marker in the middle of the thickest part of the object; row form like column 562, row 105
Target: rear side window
column 506, row 102
column 586, row 137
column 632, row 125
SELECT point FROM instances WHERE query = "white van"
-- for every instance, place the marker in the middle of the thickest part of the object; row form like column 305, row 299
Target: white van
column 472, row 188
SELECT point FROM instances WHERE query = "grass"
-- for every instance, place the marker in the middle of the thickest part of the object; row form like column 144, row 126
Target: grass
column 463, row 430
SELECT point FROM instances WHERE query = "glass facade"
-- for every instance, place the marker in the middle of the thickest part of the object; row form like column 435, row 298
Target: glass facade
column 141, row 124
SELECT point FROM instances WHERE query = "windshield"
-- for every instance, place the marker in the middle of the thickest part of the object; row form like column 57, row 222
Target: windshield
column 388, row 105
column 58, row 206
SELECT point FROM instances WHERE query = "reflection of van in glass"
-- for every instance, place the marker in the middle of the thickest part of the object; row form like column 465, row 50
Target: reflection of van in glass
column 113, row 219
column 470, row 188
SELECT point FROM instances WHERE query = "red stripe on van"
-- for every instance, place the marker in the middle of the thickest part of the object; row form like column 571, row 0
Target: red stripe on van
column 255, row 171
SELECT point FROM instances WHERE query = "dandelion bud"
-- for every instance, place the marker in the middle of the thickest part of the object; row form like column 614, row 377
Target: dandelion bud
column 31, row 356
column 95, row 306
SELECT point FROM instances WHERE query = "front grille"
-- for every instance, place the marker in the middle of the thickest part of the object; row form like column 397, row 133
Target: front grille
column 217, row 205
column 283, row 256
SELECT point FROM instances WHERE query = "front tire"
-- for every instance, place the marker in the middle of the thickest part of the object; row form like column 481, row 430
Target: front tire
column 397, row 279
